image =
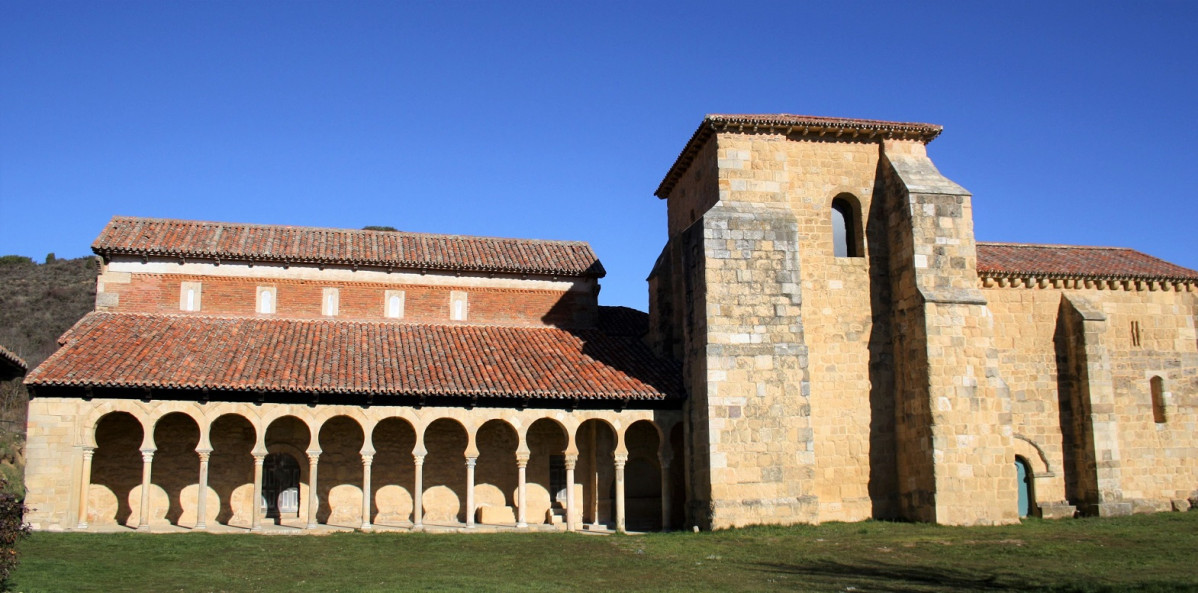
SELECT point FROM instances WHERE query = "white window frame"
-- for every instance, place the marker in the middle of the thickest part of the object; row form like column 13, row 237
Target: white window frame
column 397, row 297
column 330, row 302
column 459, row 306
column 190, row 296
column 267, row 302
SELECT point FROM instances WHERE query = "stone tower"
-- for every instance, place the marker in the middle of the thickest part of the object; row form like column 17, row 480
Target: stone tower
column 820, row 286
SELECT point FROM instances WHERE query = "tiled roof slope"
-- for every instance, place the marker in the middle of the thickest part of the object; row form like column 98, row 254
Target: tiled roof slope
column 1075, row 262
column 836, row 127
column 126, row 350
column 392, row 249
column 11, row 365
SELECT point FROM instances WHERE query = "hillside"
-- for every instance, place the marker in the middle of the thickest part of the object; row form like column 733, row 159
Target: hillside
column 38, row 302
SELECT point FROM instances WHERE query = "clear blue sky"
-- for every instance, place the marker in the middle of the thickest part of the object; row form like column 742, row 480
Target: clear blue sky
column 1070, row 123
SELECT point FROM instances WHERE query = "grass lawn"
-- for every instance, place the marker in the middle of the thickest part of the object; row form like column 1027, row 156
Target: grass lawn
column 1142, row 553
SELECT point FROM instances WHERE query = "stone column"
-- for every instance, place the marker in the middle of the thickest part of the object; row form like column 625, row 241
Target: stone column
column 418, row 495
column 313, row 499
column 620, row 459
column 147, row 467
column 470, row 461
column 663, row 460
column 593, row 476
column 367, row 462
column 571, row 511
column 85, row 480
column 522, row 466
column 202, row 493
column 256, row 506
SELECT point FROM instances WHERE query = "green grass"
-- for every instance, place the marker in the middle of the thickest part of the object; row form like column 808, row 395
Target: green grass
column 1142, row 553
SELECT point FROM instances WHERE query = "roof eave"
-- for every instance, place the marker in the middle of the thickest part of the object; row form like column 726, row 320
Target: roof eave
column 789, row 124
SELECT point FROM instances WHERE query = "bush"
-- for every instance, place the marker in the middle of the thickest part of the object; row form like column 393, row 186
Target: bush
column 12, row 530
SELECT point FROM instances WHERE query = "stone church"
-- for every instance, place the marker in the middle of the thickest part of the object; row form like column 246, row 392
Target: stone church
column 825, row 341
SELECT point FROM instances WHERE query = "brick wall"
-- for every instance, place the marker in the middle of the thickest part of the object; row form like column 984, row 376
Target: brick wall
column 160, row 293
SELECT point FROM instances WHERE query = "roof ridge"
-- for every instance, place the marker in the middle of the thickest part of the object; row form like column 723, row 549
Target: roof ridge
column 338, row 229
column 178, row 238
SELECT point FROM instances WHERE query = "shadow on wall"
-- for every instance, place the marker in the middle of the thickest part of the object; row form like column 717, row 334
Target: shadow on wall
column 883, row 461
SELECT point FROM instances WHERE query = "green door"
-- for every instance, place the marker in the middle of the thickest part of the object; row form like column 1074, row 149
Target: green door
column 1024, row 483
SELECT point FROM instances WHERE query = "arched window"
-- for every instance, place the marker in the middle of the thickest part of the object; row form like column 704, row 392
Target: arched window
column 266, row 300
column 844, row 229
column 1158, row 399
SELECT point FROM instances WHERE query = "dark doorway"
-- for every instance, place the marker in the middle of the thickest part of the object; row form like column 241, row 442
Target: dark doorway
column 280, row 486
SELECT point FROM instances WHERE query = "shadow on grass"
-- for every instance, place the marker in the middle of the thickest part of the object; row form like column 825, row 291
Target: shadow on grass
column 880, row 577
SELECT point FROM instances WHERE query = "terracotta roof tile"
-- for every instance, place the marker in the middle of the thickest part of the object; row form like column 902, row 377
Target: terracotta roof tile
column 126, row 350
column 806, row 124
column 1075, row 261
column 276, row 243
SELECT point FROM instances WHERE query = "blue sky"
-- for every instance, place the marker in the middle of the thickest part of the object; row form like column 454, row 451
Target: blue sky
column 1071, row 123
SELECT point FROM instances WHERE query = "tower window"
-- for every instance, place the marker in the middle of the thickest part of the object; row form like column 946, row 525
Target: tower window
column 844, row 229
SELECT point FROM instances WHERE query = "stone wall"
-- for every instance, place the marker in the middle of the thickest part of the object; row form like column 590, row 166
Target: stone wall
column 1045, row 355
column 953, row 427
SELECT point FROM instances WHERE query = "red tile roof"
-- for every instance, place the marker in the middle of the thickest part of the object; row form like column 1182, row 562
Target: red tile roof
column 389, row 249
column 126, row 350
column 11, row 365
column 787, row 123
column 1075, row 262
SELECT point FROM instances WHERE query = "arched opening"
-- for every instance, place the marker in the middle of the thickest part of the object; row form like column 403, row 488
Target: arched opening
column 393, row 475
column 291, row 436
column 845, row 223
column 1157, row 385
column 642, row 478
column 176, row 466
column 116, row 469
column 444, row 494
column 339, row 475
column 546, row 474
column 1027, row 495
column 596, row 468
column 495, row 478
column 280, row 486
column 231, row 469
